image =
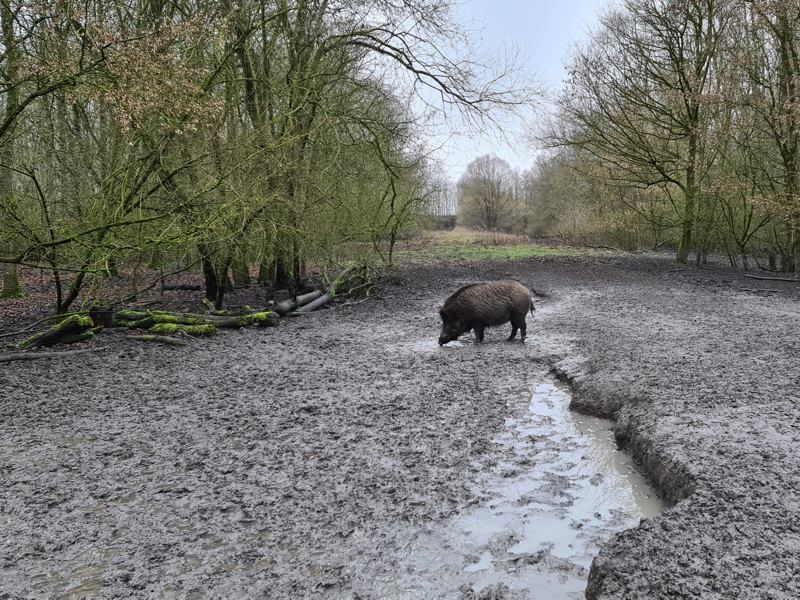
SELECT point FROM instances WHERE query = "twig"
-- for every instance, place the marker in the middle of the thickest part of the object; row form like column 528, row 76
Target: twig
column 35, row 355
column 792, row 279
column 39, row 322
column 352, row 303
column 182, row 286
column 602, row 247
column 155, row 283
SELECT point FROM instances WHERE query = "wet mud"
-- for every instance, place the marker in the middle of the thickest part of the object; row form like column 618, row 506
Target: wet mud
column 559, row 489
column 324, row 458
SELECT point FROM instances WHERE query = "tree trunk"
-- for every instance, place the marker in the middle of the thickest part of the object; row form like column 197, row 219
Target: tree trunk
column 217, row 282
column 264, row 273
column 11, row 284
column 796, row 251
column 215, row 273
column 788, row 263
column 241, row 274
column 685, row 244
column 281, row 278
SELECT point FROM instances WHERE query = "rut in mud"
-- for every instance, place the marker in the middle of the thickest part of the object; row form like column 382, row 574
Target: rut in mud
column 559, row 489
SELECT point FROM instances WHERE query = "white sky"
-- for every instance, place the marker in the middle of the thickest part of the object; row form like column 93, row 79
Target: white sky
column 543, row 31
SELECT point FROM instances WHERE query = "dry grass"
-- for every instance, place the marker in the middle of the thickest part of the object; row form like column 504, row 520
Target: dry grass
column 467, row 245
column 463, row 235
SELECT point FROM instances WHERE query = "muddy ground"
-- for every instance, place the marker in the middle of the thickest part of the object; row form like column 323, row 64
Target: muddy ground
column 304, row 461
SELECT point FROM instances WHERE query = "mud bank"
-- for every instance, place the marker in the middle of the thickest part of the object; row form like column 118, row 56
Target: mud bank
column 303, row 461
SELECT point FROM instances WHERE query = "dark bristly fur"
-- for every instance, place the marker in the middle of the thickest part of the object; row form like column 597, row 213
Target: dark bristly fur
column 480, row 305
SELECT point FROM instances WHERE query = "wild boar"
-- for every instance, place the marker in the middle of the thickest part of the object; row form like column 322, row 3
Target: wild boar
column 482, row 305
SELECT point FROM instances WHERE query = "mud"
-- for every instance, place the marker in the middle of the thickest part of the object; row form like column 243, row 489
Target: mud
column 306, row 461
column 559, row 489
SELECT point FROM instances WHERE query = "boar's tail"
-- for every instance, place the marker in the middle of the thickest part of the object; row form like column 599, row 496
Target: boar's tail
column 533, row 308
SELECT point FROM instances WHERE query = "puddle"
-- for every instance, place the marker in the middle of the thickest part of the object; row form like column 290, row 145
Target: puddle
column 559, row 490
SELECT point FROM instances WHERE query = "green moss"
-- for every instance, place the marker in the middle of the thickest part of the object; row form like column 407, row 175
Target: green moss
column 74, row 322
column 123, row 323
column 28, row 341
column 131, row 315
column 164, row 318
column 133, row 319
column 260, row 319
column 7, row 294
column 168, row 328
column 81, row 336
column 68, row 330
column 220, row 313
column 205, row 329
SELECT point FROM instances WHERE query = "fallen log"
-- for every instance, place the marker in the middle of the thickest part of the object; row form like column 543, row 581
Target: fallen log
column 134, row 319
column 37, row 355
column 67, row 331
column 327, row 296
column 167, row 328
column 289, row 305
column 80, row 336
column 36, row 324
column 791, row 279
column 265, row 318
column 182, row 286
column 318, row 303
column 160, row 339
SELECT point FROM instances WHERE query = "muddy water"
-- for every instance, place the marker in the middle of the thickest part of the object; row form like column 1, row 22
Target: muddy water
column 560, row 489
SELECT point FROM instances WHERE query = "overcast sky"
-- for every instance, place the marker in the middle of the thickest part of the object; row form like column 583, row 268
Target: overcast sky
column 543, row 31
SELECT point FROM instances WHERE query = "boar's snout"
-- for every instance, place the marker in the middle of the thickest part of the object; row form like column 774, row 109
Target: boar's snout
column 450, row 332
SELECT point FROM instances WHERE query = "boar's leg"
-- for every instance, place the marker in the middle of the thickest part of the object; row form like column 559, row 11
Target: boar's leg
column 518, row 322
column 479, row 333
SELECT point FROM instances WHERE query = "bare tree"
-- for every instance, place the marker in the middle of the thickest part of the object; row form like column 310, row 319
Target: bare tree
column 770, row 53
column 487, row 194
column 638, row 99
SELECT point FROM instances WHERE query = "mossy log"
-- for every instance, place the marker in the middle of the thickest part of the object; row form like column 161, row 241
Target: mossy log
column 266, row 318
column 80, row 336
column 149, row 319
column 168, row 328
column 75, row 328
column 160, row 339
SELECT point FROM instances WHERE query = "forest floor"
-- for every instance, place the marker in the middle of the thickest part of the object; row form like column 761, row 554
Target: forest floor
column 308, row 460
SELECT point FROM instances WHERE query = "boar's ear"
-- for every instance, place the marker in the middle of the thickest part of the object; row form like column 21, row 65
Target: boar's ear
column 444, row 314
